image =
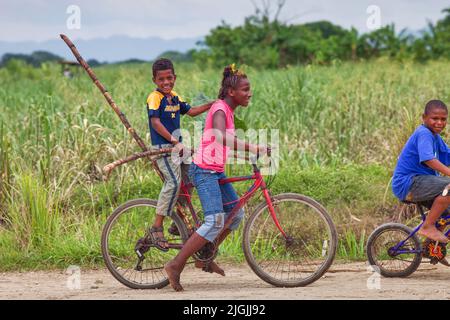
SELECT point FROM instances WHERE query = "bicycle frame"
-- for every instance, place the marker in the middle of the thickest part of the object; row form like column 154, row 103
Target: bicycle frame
column 395, row 250
column 259, row 184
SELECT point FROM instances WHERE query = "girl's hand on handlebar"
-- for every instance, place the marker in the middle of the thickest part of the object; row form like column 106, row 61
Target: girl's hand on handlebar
column 260, row 150
column 263, row 149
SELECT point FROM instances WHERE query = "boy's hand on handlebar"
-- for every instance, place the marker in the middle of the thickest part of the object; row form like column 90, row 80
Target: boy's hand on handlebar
column 179, row 149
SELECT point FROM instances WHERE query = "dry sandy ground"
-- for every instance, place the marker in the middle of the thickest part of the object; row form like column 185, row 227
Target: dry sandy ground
column 342, row 281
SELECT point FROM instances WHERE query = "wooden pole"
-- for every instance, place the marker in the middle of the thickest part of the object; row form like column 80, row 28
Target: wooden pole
column 111, row 102
column 109, row 167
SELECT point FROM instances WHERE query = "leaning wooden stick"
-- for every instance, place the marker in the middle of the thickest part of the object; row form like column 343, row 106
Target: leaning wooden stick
column 110, row 100
column 109, row 167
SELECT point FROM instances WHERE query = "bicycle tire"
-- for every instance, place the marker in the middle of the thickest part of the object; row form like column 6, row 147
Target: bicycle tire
column 108, row 257
column 299, row 244
column 371, row 248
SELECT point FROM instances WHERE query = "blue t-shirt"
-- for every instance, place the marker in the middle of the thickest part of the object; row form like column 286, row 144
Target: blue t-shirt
column 422, row 146
column 168, row 113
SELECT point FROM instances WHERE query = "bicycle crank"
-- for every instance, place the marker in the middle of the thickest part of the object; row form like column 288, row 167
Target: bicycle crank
column 435, row 252
column 206, row 254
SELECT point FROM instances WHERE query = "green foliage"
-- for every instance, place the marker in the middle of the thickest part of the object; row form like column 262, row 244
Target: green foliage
column 350, row 247
column 264, row 42
column 333, row 185
column 177, row 56
column 35, row 59
column 439, row 37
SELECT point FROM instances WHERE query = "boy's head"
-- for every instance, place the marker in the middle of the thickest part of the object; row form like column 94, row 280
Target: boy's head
column 164, row 75
column 435, row 116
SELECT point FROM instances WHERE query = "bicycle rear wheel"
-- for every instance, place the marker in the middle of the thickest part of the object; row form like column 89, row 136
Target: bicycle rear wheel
column 125, row 231
column 298, row 259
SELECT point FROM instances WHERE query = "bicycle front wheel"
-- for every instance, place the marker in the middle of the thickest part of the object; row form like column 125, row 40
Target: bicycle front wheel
column 299, row 257
column 393, row 251
column 125, row 232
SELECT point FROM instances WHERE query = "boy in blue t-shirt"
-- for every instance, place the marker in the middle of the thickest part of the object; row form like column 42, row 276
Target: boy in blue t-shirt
column 417, row 174
column 164, row 107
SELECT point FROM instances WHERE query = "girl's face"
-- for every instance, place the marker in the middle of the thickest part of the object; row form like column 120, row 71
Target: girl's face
column 241, row 94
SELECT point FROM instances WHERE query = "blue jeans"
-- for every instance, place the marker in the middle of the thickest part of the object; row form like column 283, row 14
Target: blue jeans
column 217, row 201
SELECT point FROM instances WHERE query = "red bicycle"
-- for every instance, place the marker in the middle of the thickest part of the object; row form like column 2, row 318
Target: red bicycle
column 289, row 240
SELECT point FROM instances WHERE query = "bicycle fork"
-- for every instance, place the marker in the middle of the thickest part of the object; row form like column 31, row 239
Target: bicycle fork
column 272, row 205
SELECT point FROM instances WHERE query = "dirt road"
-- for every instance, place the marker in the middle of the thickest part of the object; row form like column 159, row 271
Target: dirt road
column 343, row 281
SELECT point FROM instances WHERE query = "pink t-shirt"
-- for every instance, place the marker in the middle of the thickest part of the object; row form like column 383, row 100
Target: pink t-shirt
column 212, row 155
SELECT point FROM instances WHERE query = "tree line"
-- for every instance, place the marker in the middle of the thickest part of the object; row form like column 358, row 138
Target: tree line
column 270, row 43
column 37, row 58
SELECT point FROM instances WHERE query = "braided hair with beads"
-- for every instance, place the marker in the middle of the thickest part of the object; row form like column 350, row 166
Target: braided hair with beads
column 231, row 77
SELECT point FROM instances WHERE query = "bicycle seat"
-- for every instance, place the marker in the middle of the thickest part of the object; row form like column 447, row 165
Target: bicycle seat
column 410, row 202
column 419, row 204
column 426, row 204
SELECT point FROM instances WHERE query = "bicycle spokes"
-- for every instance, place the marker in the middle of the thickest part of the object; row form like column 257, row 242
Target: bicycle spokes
column 393, row 250
column 298, row 255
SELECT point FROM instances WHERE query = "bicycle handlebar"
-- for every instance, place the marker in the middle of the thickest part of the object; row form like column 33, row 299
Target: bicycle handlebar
column 254, row 158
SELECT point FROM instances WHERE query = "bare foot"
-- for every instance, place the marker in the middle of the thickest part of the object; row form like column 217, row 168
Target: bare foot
column 433, row 234
column 213, row 267
column 174, row 276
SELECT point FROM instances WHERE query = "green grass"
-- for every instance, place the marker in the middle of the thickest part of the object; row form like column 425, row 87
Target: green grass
column 350, row 247
column 341, row 128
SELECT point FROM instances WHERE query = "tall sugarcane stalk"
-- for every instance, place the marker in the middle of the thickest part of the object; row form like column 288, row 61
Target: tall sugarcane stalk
column 111, row 102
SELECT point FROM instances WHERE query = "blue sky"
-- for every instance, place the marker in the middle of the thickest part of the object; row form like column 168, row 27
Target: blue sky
column 39, row 20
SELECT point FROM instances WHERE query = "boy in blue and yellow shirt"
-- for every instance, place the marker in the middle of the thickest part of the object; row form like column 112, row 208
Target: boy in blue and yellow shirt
column 417, row 174
column 164, row 108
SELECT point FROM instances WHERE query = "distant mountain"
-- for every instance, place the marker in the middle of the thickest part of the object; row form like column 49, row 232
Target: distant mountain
column 112, row 49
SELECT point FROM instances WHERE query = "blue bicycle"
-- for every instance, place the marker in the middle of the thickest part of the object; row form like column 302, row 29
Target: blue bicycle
column 396, row 251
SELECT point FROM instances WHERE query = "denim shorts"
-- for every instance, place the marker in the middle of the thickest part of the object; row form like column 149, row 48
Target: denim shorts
column 217, row 200
column 425, row 188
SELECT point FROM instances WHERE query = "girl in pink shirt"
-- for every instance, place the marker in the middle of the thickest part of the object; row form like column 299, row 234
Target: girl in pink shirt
column 212, row 154
column 208, row 167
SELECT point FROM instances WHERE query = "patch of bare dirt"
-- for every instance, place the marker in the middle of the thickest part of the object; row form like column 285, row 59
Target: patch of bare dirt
column 342, row 281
